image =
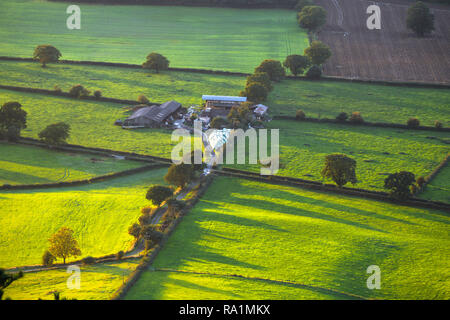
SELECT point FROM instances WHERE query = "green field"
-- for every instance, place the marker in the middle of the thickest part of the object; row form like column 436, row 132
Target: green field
column 209, row 38
column 325, row 241
column 438, row 189
column 378, row 151
column 20, row 164
column 98, row 282
column 99, row 214
column 324, row 99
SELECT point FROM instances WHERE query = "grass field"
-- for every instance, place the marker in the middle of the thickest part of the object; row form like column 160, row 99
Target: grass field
column 99, row 214
column 98, row 282
column 438, row 189
column 376, row 103
column 22, row 164
column 326, row 241
column 209, row 38
column 378, row 151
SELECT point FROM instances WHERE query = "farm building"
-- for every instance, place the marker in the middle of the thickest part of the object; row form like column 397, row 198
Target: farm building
column 220, row 106
column 153, row 116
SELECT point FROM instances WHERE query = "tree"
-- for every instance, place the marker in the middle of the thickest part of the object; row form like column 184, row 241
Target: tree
column 312, row 18
column 63, row 244
column 157, row 194
column 240, row 116
column 314, row 72
column 12, row 119
column 48, row 258
column 296, row 63
column 340, row 168
column 55, row 134
column 255, row 92
column 78, row 91
column 7, row 278
column 318, row 52
column 273, row 68
column 152, row 235
column 179, row 174
column 134, row 230
column 419, row 19
column 399, row 184
column 156, row 61
column 45, row 54
column 262, row 78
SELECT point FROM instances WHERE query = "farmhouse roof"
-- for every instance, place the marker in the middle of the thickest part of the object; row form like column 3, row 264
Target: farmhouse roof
column 157, row 113
column 223, row 98
column 260, row 109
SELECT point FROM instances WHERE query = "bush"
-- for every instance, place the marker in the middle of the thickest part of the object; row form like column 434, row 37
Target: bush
column 48, row 259
column 97, row 94
column 262, row 78
column 413, row 123
column 342, row 117
column 296, row 63
column 119, row 255
column 314, row 72
column 420, row 182
column 143, row 99
column 78, row 91
column 88, row 260
column 356, row 118
column 134, row 230
column 318, row 52
column 312, row 18
column 273, row 68
column 55, row 134
column 399, row 184
column 300, row 115
column 438, row 124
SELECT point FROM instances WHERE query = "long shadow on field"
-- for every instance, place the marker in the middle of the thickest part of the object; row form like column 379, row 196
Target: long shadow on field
column 22, row 178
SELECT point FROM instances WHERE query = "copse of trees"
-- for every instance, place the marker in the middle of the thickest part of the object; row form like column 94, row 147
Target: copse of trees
column 157, row 194
column 318, row 52
column 312, row 18
column 296, row 63
column 63, row 244
column 340, row 168
column 45, row 54
column 156, row 62
column 419, row 19
column 400, row 184
column 12, row 119
column 55, row 134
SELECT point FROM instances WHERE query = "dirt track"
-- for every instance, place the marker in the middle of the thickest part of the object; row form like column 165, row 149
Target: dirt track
column 393, row 53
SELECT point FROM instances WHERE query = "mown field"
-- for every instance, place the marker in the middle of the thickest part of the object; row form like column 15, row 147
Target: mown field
column 20, row 164
column 438, row 189
column 98, row 282
column 99, row 214
column 324, row 99
column 378, row 151
column 325, row 241
column 209, row 38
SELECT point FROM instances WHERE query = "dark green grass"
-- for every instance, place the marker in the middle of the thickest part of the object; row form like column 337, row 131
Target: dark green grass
column 439, row 188
column 322, row 240
column 209, row 38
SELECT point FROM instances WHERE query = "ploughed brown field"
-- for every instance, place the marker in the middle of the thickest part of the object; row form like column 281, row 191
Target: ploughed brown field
column 393, row 53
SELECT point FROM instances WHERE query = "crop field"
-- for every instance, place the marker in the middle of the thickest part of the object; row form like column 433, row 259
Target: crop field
column 438, row 189
column 98, row 213
column 376, row 103
column 22, row 164
column 392, row 53
column 378, row 151
column 98, row 282
column 208, row 38
column 320, row 244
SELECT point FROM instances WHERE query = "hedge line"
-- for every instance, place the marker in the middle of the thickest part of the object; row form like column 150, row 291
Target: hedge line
column 84, row 181
column 148, row 260
column 433, row 174
column 314, row 185
column 365, row 123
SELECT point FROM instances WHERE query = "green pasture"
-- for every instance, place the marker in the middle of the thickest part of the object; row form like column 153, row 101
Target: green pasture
column 323, row 241
column 438, row 189
column 99, row 213
column 21, row 164
column 208, row 38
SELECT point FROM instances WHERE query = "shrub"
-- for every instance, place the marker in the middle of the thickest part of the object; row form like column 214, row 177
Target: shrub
column 318, row 52
column 420, row 182
column 438, row 124
column 48, row 259
column 413, row 123
column 356, row 118
column 312, row 18
column 300, row 115
column 143, row 99
column 134, row 230
column 399, row 184
column 145, row 219
column 314, row 72
column 342, row 117
column 273, row 68
column 119, row 255
column 262, row 78
column 88, row 260
column 146, row 210
column 97, row 94
column 296, row 63
column 78, row 91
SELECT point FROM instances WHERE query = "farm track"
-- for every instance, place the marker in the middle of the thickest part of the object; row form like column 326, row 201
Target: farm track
column 390, row 54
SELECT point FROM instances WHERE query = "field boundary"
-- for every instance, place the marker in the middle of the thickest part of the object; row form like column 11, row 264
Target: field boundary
column 412, row 84
column 318, row 186
column 429, row 178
